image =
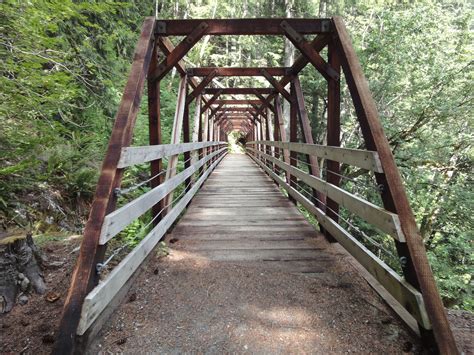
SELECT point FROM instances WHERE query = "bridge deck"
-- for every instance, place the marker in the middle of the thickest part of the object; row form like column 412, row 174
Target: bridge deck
column 240, row 215
column 248, row 274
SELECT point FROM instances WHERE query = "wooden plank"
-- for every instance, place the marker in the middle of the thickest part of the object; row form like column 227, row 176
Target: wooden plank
column 97, row 300
column 418, row 269
column 365, row 159
column 386, row 296
column 254, row 26
column 386, row 221
column 116, row 221
column 283, row 255
column 84, row 274
column 253, row 244
column 401, row 290
column 236, row 71
column 143, row 154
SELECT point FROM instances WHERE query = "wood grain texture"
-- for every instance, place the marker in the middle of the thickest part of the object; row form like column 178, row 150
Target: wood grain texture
column 99, row 298
column 239, row 215
column 401, row 290
column 84, row 273
column 254, row 26
column 395, row 197
column 384, row 220
column 364, row 159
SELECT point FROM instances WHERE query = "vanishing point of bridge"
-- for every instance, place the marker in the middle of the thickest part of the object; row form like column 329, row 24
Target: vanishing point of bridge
column 240, row 213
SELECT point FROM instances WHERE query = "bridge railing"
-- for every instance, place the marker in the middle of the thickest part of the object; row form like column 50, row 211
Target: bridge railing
column 115, row 222
column 294, row 179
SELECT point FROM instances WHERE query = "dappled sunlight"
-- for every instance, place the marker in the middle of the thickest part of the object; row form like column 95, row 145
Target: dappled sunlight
column 235, row 142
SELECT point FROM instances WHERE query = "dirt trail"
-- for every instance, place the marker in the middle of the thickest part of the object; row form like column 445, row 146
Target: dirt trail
column 248, row 274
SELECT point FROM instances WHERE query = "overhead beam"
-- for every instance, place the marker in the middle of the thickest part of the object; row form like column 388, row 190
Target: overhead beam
column 239, row 109
column 167, row 47
column 238, row 102
column 199, row 30
column 240, row 91
column 236, row 71
column 277, row 85
column 219, row 27
column 307, row 50
column 197, row 91
column 211, row 101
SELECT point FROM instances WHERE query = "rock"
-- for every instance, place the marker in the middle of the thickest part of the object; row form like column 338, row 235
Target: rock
column 24, row 284
column 23, row 299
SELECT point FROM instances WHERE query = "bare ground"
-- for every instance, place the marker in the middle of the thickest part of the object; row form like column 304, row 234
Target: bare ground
column 187, row 304
column 168, row 322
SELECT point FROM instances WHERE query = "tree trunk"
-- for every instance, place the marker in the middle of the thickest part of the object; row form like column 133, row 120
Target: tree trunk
column 20, row 271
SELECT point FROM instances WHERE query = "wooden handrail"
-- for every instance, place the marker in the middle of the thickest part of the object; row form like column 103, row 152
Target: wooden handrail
column 402, row 291
column 365, row 159
column 143, row 154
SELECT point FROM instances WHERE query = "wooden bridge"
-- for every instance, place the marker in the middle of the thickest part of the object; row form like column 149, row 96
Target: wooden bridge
column 239, row 212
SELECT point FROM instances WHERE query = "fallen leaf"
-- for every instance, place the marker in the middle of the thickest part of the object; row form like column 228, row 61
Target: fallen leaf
column 52, row 296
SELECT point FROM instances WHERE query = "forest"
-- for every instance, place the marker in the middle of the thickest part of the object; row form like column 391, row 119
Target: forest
column 64, row 64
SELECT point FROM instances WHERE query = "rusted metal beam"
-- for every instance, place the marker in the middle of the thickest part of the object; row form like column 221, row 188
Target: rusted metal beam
column 239, row 91
column 265, row 102
column 214, row 111
column 238, row 71
column 307, row 137
column 256, row 26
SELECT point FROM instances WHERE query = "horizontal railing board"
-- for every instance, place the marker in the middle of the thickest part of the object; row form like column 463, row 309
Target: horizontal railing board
column 384, row 220
column 117, row 220
column 143, row 154
column 365, row 159
column 401, row 290
column 96, row 301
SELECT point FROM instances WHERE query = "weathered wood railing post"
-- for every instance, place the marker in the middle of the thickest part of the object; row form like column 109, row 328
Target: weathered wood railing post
column 154, row 128
column 85, row 275
column 333, row 131
column 416, row 267
column 293, row 136
column 186, row 138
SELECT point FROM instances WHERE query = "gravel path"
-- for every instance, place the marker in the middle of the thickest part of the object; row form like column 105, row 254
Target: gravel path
column 186, row 304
